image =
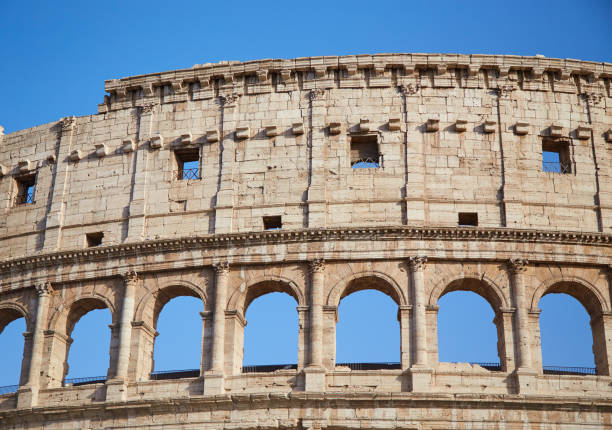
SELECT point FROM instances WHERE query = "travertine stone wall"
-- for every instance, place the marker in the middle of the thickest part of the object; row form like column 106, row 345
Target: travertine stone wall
column 454, row 134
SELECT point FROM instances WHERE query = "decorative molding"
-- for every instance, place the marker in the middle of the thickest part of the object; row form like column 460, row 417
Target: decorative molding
column 417, row 263
column 432, row 125
column 316, row 94
column 130, row 277
column 518, row 265
column 501, row 71
column 221, row 267
column 150, row 247
column 317, row 266
column 44, row 288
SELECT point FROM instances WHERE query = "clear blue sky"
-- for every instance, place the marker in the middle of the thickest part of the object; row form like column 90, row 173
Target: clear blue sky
column 56, row 56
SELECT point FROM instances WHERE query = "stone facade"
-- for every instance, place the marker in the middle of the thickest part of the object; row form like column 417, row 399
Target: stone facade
column 98, row 212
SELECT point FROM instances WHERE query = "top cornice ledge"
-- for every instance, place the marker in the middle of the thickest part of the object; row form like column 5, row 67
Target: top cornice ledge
column 230, row 69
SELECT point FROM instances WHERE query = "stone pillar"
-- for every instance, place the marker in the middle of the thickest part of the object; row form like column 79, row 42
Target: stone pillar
column 136, row 231
column 417, row 266
column 213, row 383
column 117, row 388
column 420, row 370
column 315, row 372
column 28, row 395
column 317, row 199
column 525, row 374
column 404, row 316
column 207, row 336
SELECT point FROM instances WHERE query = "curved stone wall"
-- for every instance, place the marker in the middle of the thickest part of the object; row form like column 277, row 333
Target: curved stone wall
column 415, row 175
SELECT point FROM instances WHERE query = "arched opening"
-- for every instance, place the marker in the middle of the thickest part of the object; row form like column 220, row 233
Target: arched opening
column 178, row 347
column 367, row 328
column 466, row 331
column 12, row 329
column 89, row 339
column 271, row 335
column 571, row 331
column 469, row 325
column 267, row 337
column 177, row 351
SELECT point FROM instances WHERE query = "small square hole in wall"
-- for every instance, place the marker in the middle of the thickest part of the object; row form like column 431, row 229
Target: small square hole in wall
column 94, row 239
column 25, row 189
column 555, row 156
column 272, row 222
column 188, row 163
column 468, row 219
column 364, row 152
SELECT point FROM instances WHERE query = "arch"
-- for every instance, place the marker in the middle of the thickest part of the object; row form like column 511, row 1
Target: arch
column 242, row 298
column 479, row 284
column 366, row 280
column 165, row 292
column 65, row 316
column 586, row 293
column 10, row 312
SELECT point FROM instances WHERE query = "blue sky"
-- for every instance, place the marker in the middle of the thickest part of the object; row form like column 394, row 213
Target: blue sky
column 56, row 56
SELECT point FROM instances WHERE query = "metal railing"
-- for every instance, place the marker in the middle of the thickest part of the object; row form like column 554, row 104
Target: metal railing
column 7, row 389
column 24, row 199
column 85, row 381
column 261, row 368
column 159, row 375
column 555, row 167
column 185, row 174
column 560, row 370
column 372, row 366
column 491, row 366
column 365, row 163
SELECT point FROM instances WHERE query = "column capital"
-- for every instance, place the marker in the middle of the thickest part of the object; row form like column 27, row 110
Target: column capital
column 517, row 265
column 44, row 288
column 130, row 277
column 317, row 266
column 417, row 263
column 221, row 267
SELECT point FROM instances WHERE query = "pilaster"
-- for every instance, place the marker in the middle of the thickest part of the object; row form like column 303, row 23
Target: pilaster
column 316, row 197
column 420, row 370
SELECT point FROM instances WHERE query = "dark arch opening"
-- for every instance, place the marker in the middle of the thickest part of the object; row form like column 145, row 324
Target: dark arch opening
column 565, row 334
column 368, row 330
column 12, row 328
column 178, row 347
column 88, row 354
column 271, row 333
column 467, row 332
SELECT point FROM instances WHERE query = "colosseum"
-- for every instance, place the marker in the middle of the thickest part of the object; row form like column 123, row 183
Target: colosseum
column 412, row 174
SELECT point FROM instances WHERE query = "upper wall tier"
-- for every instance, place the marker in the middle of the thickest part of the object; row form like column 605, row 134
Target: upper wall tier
column 322, row 142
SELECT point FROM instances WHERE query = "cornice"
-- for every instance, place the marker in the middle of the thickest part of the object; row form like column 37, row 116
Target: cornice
column 231, row 240
column 264, row 74
column 298, row 399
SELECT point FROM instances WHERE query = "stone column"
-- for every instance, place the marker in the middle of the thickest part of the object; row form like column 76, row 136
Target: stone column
column 130, row 280
column 222, row 272
column 117, row 388
column 317, row 270
column 420, row 371
column 315, row 372
column 213, row 383
column 417, row 267
column 28, row 396
column 517, row 268
column 526, row 376
column 404, row 316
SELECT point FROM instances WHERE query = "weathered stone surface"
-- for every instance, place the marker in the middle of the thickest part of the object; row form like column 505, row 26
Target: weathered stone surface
column 453, row 134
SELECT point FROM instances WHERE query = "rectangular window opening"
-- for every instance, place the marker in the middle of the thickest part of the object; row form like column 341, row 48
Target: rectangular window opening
column 555, row 156
column 364, row 152
column 94, row 239
column 468, row 219
column 272, row 222
column 25, row 189
column 188, row 163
